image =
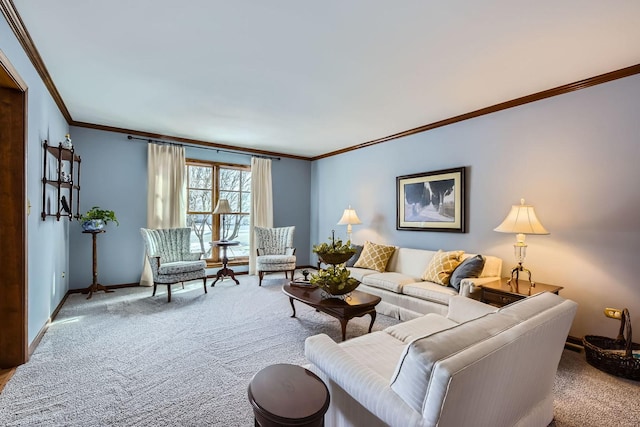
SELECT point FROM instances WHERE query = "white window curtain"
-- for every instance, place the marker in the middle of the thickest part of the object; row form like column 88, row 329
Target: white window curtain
column 261, row 203
column 166, row 193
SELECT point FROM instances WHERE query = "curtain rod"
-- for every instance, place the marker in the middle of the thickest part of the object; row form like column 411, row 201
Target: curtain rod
column 218, row 150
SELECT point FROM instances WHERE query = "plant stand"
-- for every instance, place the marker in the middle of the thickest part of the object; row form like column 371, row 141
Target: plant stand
column 95, row 286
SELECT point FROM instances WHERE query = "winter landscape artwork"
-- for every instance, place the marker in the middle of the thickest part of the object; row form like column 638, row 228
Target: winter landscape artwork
column 431, row 201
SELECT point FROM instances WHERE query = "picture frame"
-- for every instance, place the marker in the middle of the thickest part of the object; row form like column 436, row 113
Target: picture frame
column 431, row 201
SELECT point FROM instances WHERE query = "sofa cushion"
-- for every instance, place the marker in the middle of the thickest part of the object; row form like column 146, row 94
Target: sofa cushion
column 351, row 261
column 429, row 291
column 360, row 273
column 411, row 262
column 388, row 280
column 492, row 267
column 441, row 266
column 419, row 327
column 178, row 267
column 378, row 350
column 470, row 267
column 374, row 256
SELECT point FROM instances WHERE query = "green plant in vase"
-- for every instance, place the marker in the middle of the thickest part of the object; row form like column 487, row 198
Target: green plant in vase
column 96, row 218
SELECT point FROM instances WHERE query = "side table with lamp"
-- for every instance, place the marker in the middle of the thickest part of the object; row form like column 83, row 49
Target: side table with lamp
column 223, row 208
column 521, row 220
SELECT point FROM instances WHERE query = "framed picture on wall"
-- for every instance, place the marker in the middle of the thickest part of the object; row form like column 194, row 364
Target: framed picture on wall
column 431, row 201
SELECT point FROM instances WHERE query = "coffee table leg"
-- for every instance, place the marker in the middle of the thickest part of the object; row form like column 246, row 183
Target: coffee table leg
column 292, row 307
column 373, row 319
column 343, row 325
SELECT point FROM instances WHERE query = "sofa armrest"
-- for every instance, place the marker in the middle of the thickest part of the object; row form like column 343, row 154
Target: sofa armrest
column 363, row 384
column 469, row 287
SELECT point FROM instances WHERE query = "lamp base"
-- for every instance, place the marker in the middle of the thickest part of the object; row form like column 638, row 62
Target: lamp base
column 515, row 272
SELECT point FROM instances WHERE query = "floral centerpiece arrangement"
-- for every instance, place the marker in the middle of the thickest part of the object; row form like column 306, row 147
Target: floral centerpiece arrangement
column 336, row 278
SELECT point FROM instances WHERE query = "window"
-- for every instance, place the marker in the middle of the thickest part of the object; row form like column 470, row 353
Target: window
column 207, row 182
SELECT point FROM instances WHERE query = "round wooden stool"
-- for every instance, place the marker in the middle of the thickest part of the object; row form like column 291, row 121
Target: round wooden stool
column 288, row 395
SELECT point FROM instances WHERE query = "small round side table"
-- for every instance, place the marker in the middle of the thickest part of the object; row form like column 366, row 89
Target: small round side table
column 288, row 395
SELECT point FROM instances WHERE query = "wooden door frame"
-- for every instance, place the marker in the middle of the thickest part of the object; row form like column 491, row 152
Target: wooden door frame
column 14, row 333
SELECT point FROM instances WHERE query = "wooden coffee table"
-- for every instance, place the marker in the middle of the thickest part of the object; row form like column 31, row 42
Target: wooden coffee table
column 356, row 304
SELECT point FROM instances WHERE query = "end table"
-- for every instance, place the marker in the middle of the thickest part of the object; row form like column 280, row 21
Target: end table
column 225, row 271
column 500, row 292
column 288, row 395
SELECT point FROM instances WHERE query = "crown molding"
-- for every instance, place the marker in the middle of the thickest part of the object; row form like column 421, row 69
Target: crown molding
column 174, row 139
column 560, row 90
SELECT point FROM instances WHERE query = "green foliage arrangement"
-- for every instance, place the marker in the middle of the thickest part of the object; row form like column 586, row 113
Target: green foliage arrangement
column 96, row 213
column 334, row 280
column 334, row 252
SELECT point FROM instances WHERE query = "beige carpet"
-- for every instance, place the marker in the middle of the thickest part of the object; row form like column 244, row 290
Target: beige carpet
column 127, row 359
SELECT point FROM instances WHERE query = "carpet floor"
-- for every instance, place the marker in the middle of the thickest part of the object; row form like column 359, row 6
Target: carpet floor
column 129, row 359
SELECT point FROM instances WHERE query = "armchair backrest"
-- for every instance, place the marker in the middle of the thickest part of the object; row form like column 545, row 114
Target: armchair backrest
column 170, row 244
column 274, row 241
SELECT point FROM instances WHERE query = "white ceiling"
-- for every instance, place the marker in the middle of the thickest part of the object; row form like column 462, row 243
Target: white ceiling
column 308, row 78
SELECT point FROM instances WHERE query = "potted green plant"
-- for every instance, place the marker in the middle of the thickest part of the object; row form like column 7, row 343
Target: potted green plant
column 96, row 218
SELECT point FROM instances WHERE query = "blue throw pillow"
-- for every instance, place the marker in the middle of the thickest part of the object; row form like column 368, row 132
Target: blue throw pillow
column 470, row 267
column 351, row 261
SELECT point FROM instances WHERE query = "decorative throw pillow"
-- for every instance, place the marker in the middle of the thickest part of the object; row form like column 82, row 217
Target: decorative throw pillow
column 374, row 256
column 351, row 261
column 441, row 266
column 470, row 267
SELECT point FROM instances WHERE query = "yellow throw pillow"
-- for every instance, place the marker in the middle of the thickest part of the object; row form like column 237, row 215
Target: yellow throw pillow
column 374, row 256
column 441, row 267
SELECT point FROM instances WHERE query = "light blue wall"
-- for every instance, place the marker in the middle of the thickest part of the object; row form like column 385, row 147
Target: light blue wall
column 114, row 176
column 46, row 240
column 574, row 157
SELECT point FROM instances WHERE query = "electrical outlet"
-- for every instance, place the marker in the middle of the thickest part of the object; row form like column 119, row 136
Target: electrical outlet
column 63, row 274
column 614, row 313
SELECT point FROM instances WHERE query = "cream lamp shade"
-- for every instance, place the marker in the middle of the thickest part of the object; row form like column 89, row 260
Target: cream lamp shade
column 521, row 220
column 222, row 208
column 349, row 217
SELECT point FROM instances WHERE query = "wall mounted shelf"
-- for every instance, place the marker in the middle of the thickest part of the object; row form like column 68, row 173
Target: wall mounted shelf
column 61, row 182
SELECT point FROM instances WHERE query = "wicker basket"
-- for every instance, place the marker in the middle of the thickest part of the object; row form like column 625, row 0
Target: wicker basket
column 335, row 258
column 339, row 288
column 614, row 356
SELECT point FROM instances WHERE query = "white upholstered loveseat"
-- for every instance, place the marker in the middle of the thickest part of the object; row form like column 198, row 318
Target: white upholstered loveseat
column 406, row 296
column 476, row 366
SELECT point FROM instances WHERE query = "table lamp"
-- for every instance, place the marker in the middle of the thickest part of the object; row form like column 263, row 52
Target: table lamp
column 521, row 220
column 349, row 217
column 222, row 208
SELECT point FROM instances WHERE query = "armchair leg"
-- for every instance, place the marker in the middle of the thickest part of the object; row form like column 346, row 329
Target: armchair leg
column 204, row 281
column 169, row 293
column 155, row 286
column 260, row 275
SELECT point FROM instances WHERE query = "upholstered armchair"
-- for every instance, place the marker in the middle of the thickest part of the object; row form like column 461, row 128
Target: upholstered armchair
column 275, row 251
column 171, row 259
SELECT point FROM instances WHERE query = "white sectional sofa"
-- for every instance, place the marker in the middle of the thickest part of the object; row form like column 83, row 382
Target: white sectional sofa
column 476, row 366
column 406, row 296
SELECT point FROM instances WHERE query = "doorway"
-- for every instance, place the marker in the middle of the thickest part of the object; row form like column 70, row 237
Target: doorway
column 13, row 222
